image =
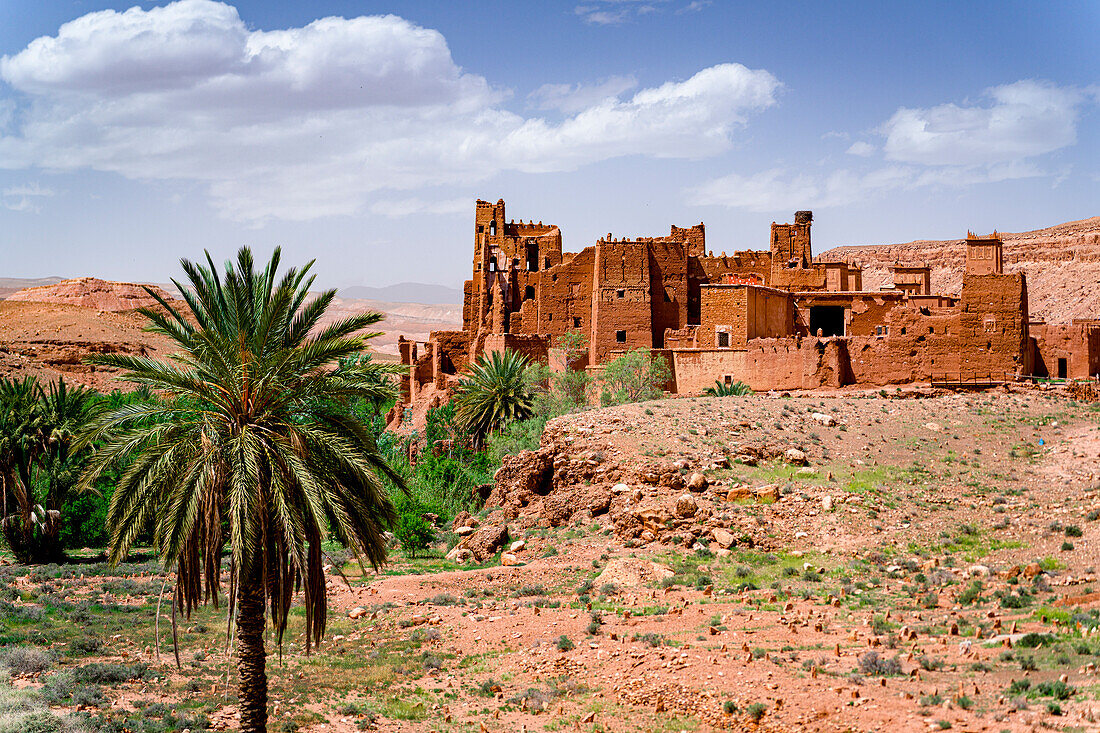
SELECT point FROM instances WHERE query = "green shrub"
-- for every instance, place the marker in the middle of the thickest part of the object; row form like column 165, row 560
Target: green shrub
column 756, row 711
column 565, row 643
column 412, row 531
column 1072, row 530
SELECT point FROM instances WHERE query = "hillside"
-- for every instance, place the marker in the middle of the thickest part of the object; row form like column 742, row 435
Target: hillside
column 91, row 292
column 1062, row 264
column 50, row 327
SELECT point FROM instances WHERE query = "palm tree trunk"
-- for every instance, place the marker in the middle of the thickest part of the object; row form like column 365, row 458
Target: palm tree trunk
column 251, row 654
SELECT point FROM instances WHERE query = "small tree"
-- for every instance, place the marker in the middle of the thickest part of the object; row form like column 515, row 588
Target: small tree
column 635, row 376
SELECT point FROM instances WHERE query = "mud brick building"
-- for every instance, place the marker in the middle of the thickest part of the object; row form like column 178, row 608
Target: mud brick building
column 774, row 319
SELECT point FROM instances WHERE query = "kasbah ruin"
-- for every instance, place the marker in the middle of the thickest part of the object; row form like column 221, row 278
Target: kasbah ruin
column 774, row 320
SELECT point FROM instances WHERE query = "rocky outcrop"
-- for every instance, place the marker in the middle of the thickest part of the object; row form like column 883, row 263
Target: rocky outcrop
column 481, row 545
column 91, row 292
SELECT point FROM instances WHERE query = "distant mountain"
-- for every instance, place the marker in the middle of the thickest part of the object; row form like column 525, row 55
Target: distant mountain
column 9, row 285
column 425, row 293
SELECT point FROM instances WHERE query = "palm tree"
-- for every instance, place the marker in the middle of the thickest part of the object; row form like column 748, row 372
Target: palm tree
column 721, row 389
column 494, row 394
column 37, row 429
column 19, row 420
column 254, row 448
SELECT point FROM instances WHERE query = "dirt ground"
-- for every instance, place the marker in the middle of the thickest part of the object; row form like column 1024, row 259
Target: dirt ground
column 932, row 566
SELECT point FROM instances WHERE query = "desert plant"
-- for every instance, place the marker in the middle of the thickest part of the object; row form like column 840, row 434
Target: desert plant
column 494, row 394
column 635, row 376
column 721, row 389
column 251, row 451
column 872, row 663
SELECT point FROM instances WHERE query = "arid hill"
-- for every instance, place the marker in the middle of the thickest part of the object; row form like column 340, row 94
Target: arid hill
column 1062, row 264
column 48, row 340
column 47, row 331
column 91, row 292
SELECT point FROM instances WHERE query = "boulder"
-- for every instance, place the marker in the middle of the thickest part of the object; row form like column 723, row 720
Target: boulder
column 766, row 493
column 633, row 572
column 686, row 506
column 722, row 537
column 509, row 559
column 460, row 555
column 827, row 503
column 795, row 456
column 484, row 542
column 517, row 546
column 698, row 482
column 464, row 531
column 826, row 420
column 357, row 612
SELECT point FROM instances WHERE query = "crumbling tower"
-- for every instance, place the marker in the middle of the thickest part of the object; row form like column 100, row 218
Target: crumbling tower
column 790, row 243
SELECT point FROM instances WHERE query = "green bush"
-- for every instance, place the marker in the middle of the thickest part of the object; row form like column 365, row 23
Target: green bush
column 412, row 530
column 633, row 377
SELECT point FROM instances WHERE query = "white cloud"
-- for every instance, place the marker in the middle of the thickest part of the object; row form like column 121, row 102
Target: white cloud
column 572, row 98
column 396, row 208
column 861, row 148
column 24, row 197
column 616, row 12
column 314, row 121
column 940, row 147
column 1024, row 119
column 782, row 190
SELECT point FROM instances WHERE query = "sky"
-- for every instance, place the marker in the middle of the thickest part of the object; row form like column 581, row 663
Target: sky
column 361, row 133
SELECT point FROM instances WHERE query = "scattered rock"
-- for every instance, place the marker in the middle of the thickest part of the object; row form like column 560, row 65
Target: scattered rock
column 795, row 456
column 722, row 537
column 633, row 572
column 686, row 506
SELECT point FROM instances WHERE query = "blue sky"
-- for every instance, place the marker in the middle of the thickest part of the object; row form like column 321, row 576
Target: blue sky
column 360, row 133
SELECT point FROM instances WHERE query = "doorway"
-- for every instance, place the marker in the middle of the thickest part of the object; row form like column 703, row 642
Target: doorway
column 829, row 319
column 1063, row 368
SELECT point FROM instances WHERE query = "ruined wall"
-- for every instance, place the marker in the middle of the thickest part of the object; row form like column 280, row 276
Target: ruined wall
column 565, row 297
column 790, row 243
column 668, row 288
column 450, row 354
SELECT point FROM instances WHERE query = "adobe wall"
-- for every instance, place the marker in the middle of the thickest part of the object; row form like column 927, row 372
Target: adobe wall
column 450, row 354
column 767, row 364
column 565, row 297
column 668, row 288
column 744, row 312
column 1077, row 343
column 622, row 316
column 993, row 326
column 533, row 346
